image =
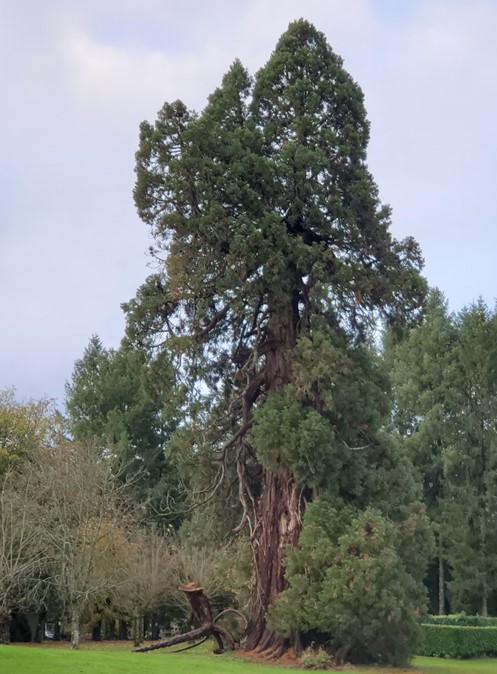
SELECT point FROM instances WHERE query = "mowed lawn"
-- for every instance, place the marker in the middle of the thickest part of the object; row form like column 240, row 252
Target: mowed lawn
column 117, row 659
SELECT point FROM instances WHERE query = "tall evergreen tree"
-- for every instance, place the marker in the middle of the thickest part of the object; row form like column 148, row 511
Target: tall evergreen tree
column 471, row 461
column 108, row 404
column 422, row 414
column 274, row 262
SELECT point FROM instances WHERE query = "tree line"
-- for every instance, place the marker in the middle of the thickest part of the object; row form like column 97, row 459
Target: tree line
column 287, row 388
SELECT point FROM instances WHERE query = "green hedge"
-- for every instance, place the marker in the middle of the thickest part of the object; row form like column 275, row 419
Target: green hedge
column 452, row 641
column 462, row 620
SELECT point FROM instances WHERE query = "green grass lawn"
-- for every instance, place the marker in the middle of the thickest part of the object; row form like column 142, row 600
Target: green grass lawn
column 117, row 659
column 442, row 666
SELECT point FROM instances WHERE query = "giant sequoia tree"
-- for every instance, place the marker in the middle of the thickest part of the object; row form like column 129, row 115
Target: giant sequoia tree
column 274, row 262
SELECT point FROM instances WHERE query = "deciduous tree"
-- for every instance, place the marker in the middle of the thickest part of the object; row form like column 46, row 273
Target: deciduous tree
column 83, row 523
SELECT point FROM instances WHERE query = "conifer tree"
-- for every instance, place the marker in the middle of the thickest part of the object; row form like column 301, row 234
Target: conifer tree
column 274, row 264
column 470, row 462
column 423, row 416
column 108, row 405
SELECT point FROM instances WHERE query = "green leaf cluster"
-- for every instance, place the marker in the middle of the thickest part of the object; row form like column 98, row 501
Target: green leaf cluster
column 293, row 439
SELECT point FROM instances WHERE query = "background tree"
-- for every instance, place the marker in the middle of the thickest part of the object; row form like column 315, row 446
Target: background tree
column 422, row 414
column 150, row 576
column 23, row 555
column 445, row 375
column 279, row 262
column 108, row 404
column 23, row 427
column 83, row 511
column 471, row 461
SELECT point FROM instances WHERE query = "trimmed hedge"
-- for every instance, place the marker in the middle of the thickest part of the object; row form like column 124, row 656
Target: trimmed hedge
column 462, row 620
column 453, row 641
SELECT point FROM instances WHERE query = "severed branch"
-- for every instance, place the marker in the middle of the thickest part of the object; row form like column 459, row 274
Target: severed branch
column 202, row 612
column 178, row 639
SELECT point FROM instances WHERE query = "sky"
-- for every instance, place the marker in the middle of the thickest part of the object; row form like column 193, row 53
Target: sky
column 78, row 76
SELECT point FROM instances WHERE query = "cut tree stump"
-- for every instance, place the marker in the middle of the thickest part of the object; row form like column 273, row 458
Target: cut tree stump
column 202, row 613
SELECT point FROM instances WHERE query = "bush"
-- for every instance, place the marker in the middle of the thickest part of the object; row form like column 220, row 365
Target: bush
column 315, row 658
column 453, row 641
column 462, row 620
column 347, row 580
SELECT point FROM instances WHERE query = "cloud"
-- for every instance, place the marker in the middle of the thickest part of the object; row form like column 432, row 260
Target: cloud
column 78, row 78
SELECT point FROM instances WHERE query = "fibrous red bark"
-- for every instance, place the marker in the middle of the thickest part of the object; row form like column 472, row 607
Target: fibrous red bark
column 278, row 525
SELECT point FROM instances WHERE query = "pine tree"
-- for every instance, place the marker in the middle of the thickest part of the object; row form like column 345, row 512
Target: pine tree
column 274, row 264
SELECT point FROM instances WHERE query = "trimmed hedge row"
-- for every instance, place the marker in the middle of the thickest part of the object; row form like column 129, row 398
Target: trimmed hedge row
column 462, row 620
column 453, row 641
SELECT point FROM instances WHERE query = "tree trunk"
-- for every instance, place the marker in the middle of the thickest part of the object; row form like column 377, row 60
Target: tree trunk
column 5, row 627
column 137, row 629
column 109, row 629
column 154, row 627
column 96, row 632
column 441, row 584
column 279, row 524
column 280, row 506
column 484, row 602
column 178, row 639
column 75, row 618
column 123, row 630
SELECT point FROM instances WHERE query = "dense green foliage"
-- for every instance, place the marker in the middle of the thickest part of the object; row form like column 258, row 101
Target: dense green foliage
column 348, row 580
column 462, row 620
column 108, row 404
column 451, row 641
column 445, row 376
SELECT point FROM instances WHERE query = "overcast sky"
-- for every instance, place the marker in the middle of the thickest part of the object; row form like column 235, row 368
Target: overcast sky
column 78, row 76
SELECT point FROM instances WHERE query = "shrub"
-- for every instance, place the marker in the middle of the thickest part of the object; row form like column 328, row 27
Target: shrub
column 462, row 620
column 315, row 658
column 347, row 580
column 453, row 641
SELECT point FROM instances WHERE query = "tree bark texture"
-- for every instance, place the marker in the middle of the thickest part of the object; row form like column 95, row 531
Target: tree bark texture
column 75, row 619
column 137, row 629
column 441, row 585
column 279, row 524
